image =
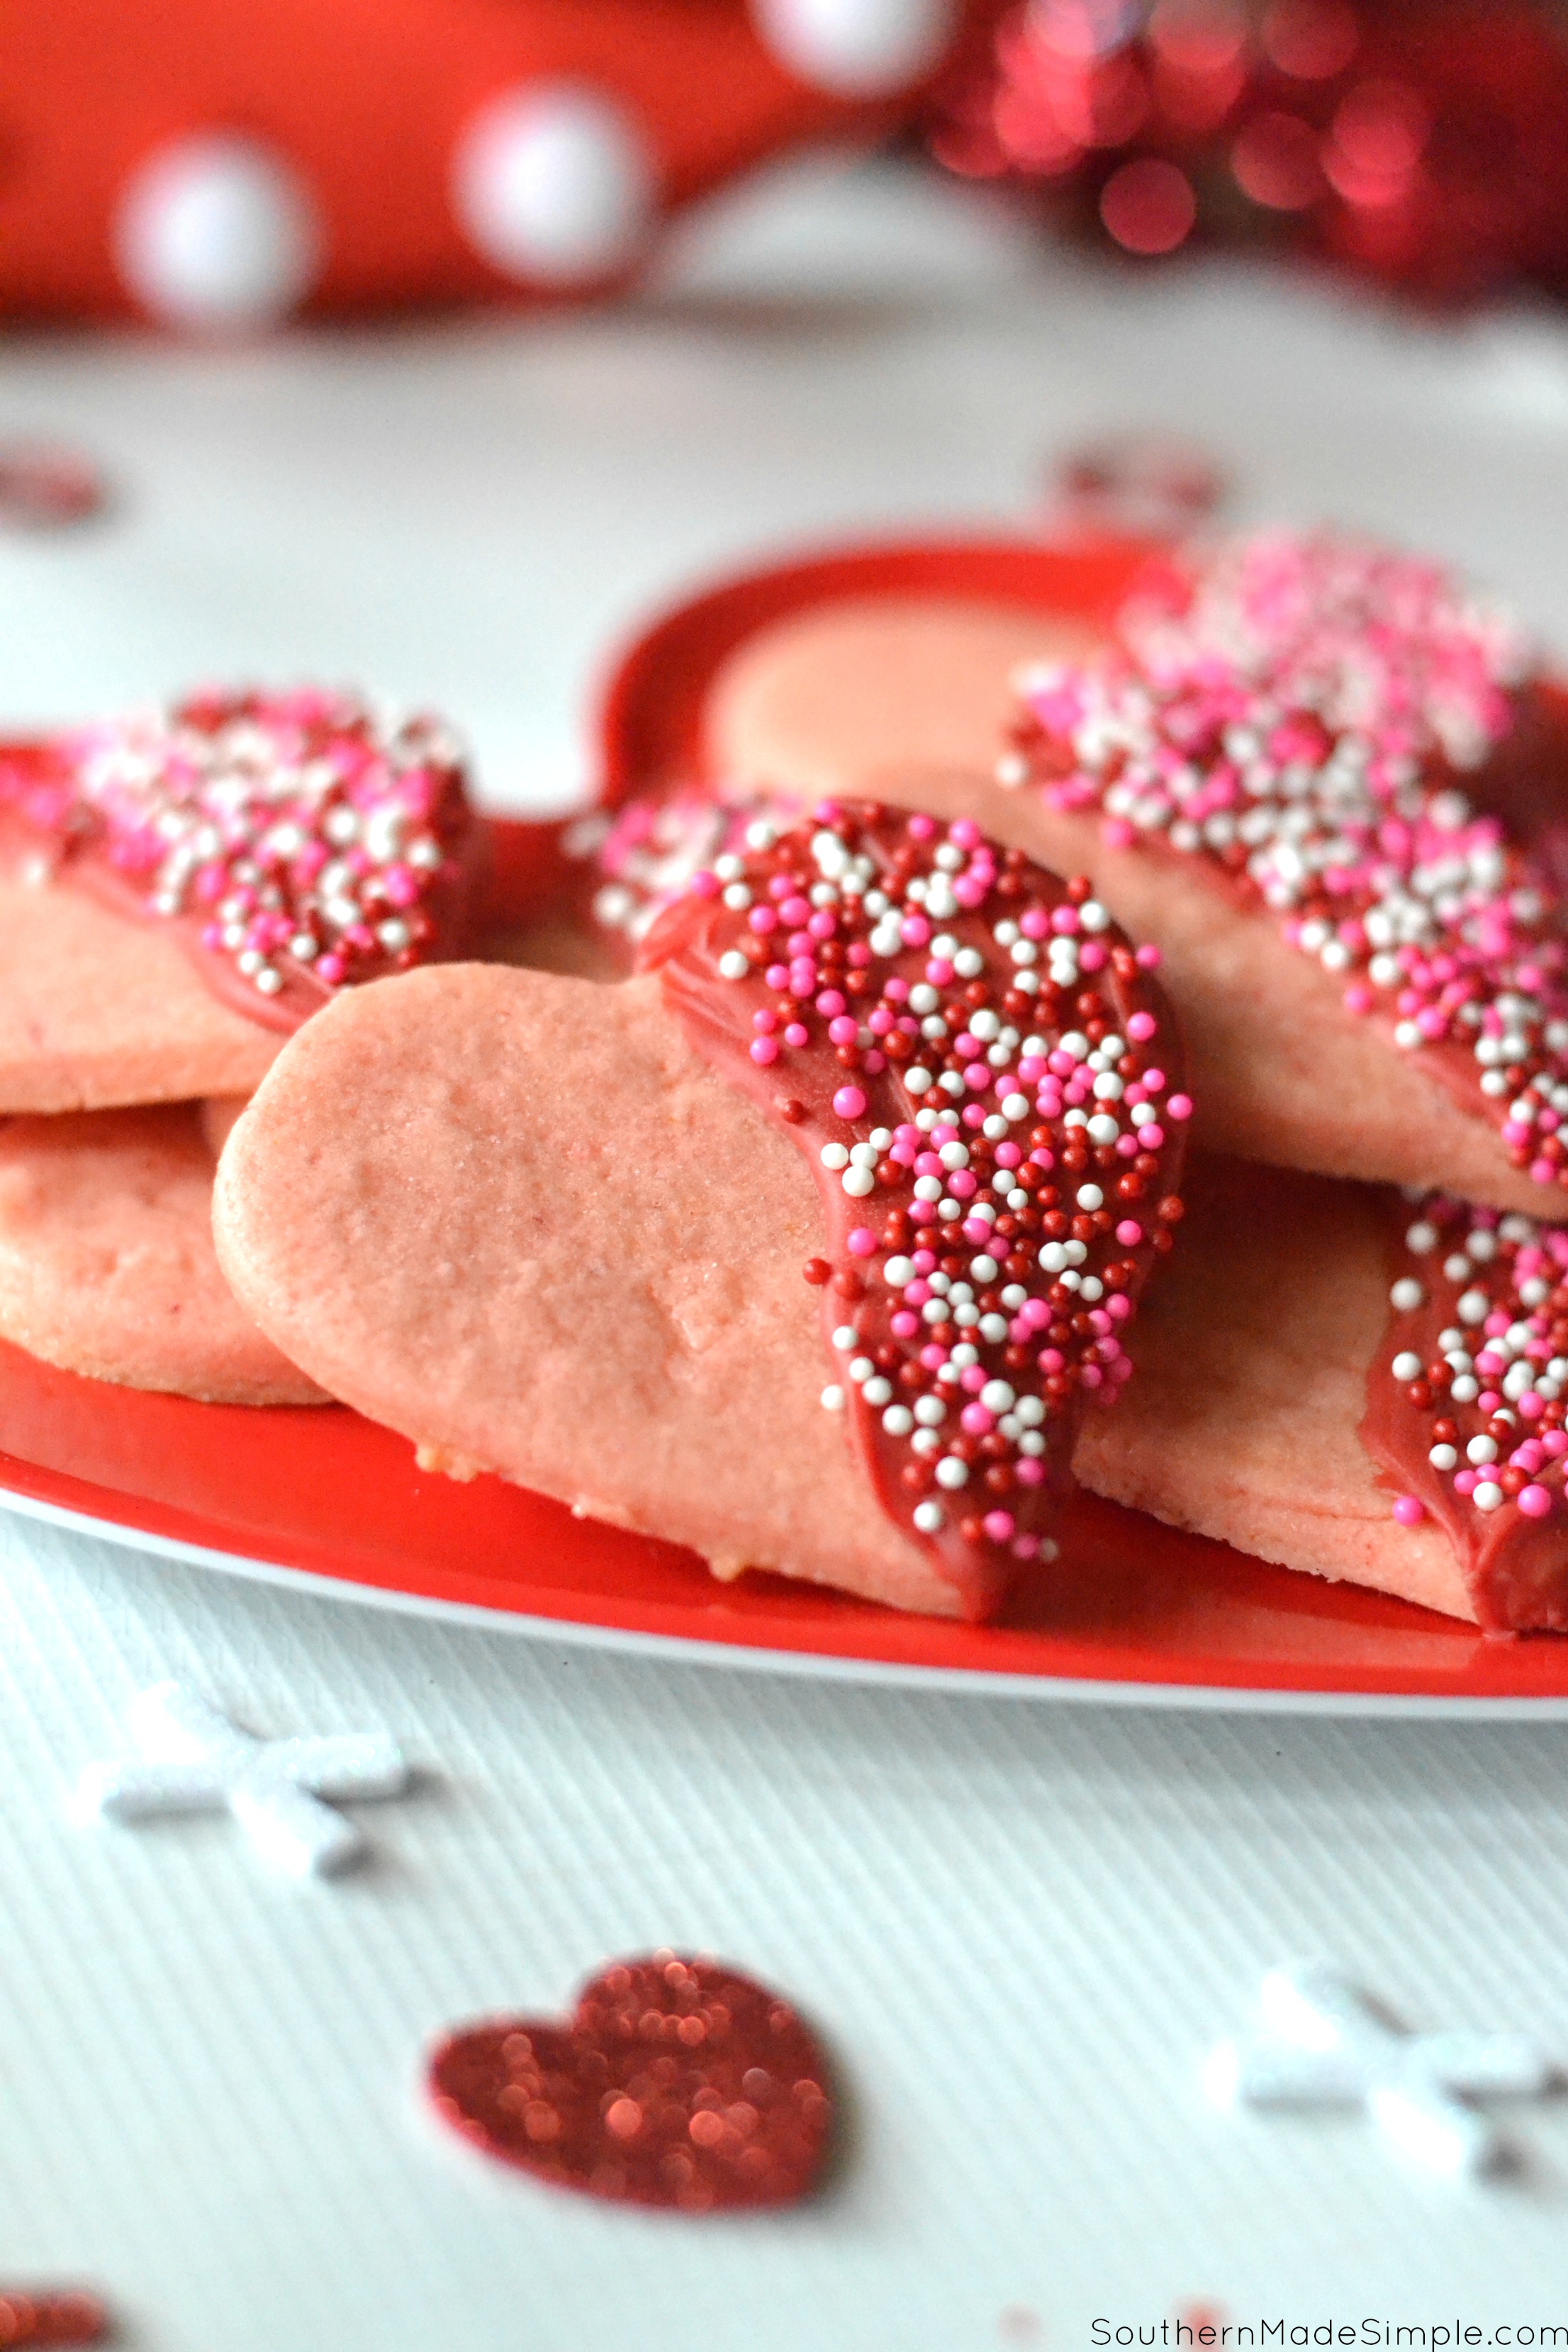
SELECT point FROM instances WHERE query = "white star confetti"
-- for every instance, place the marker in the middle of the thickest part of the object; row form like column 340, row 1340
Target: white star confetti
column 194, row 1760
column 1318, row 2042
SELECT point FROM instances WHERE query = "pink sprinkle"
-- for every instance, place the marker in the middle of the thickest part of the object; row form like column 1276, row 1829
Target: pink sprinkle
column 1409, row 1511
column 1030, row 1471
column 1036, row 924
column 1179, row 1107
column 977, row 1421
column 849, row 1102
column 844, row 1030
column 1129, row 1233
column 1009, row 1155
column 1542, row 1171
column 1151, row 1137
column 914, row 930
column 796, row 1034
column 1465, row 1481
column 764, row 1050
column 975, row 1230
column 1093, row 956
column 1119, row 1305
column 922, row 827
column 331, row 969
column 1555, row 1443
column 777, row 976
column 998, row 1525
column 862, row 1242
column 1141, row 1027
column 764, row 919
column 1148, row 958
column 1117, row 833
column 1090, row 1375
column 972, row 1380
column 938, row 972
column 829, row 1003
column 1534, row 1501
column 903, row 1325
column 1359, row 998
column 964, row 833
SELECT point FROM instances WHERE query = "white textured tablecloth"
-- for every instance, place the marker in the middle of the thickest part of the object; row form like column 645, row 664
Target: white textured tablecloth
column 1021, row 1927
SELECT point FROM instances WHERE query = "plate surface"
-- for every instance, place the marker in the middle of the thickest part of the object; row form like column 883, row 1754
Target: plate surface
column 325, row 1496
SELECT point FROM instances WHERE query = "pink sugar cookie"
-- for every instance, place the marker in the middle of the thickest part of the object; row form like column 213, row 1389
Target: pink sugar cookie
column 710, row 1255
column 107, row 1266
column 180, row 889
column 1259, row 1355
column 821, row 703
column 1308, row 1050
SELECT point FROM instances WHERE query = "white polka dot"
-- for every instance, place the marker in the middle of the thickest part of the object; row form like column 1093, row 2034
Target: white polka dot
column 857, row 48
column 552, row 182
column 216, row 232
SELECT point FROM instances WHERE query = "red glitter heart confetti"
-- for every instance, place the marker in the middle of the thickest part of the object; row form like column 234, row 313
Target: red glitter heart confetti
column 43, row 486
column 674, row 2082
column 51, row 2315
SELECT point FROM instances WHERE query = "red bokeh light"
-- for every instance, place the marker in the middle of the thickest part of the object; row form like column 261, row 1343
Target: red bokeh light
column 1311, row 40
column 1276, row 162
column 1148, row 206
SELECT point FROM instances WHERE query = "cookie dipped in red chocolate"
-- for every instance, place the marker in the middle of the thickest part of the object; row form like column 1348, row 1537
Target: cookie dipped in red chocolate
column 178, row 892
column 1468, row 1398
column 987, row 1080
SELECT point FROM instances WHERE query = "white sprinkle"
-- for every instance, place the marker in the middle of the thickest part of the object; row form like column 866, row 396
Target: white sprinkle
column 1407, row 1365
column 917, row 1081
column 954, row 1155
column 861, row 1369
column 998, row 1396
column 1407, row 1294
column 1482, row 1449
column 835, row 1156
column 878, row 1391
column 897, row 1420
column 985, row 1267
column 833, row 1397
column 952, row 1472
column 931, row 1411
column 1443, row 1457
column 1487, row 1497
column 898, row 1271
column 930, row 1517
column 733, row 965
column 738, row 896
column 1473, row 1307
column 1464, row 1391
column 1089, row 1196
column 1421, row 1237
column 857, row 1183
column 1015, row 1107
column 846, row 1337
column 969, row 963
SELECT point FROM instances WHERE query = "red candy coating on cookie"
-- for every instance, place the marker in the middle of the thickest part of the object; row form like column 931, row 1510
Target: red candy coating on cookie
column 674, row 2082
column 987, row 1081
column 1467, row 1399
column 296, row 844
column 1307, row 717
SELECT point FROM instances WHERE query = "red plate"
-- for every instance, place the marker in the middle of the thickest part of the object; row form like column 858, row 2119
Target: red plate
column 322, row 1496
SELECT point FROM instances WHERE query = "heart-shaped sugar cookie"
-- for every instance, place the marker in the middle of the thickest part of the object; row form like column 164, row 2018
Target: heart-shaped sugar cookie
column 674, row 2082
column 560, row 1231
column 107, row 1266
column 179, row 891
